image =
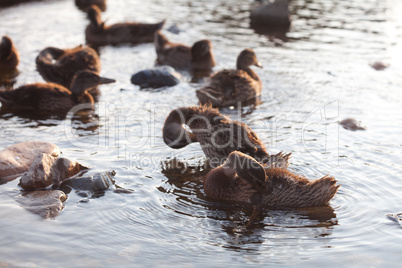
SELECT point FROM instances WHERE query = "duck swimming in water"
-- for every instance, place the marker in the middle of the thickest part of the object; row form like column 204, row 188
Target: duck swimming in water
column 198, row 57
column 218, row 136
column 229, row 87
column 45, row 98
column 60, row 65
column 9, row 57
column 98, row 34
column 243, row 179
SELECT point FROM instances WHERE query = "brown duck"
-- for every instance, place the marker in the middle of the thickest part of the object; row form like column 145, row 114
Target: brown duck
column 53, row 98
column 9, row 57
column 60, row 65
column 98, row 34
column 198, row 57
column 243, row 179
column 218, row 136
column 231, row 87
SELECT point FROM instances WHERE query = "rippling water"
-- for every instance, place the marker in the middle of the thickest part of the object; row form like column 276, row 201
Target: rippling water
column 314, row 76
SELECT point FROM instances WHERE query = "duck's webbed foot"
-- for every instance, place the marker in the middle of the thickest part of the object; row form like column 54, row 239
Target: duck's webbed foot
column 253, row 217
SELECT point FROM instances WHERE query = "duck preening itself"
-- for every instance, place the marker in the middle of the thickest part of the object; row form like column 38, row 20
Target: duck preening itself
column 243, row 179
column 60, row 65
column 53, row 98
column 231, row 87
column 9, row 57
column 98, row 34
column 198, row 57
column 218, row 136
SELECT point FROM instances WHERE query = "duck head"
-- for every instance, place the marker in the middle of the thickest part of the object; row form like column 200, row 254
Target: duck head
column 94, row 16
column 245, row 167
column 160, row 41
column 6, row 46
column 247, row 58
column 201, row 55
column 175, row 135
column 85, row 79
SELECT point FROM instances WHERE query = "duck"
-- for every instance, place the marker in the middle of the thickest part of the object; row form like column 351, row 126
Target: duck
column 217, row 135
column 230, row 87
column 85, row 4
column 273, row 15
column 9, row 56
column 197, row 58
column 241, row 178
column 49, row 98
column 98, row 34
column 60, row 65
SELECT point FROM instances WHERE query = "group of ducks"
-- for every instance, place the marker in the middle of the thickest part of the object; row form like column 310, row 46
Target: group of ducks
column 243, row 170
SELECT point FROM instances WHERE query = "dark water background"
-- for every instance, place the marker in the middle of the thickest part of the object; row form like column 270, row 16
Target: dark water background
column 314, row 76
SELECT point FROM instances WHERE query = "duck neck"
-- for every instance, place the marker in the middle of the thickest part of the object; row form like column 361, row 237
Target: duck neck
column 249, row 71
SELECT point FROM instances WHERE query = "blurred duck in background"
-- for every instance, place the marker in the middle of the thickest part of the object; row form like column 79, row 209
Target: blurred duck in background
column 197, row 58
column 98, row 34
column 272, row 16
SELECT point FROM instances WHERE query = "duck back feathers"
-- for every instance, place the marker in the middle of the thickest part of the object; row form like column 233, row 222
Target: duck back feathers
column 99, row 34
column 243, row 179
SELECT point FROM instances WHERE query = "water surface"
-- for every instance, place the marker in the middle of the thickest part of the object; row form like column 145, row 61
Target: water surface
column 315, row 75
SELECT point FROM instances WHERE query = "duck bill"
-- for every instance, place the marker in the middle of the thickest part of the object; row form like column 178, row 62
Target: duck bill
column 258, row 64
column 104, row 80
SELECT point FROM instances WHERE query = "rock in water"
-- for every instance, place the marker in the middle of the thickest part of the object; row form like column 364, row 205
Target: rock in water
column 379, row 66
column 47, row 170
column 164, row 76
column 17, row 158
column 352, row 124
column 90, row 186
column 46, row 204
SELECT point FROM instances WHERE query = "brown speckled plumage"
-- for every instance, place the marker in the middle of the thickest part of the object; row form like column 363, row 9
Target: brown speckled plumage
column 217, row 134
column 9, row 57
column 199, row 57
column 59, row 66
column 98, row 34
column 231, row 87
column 51, row 97
column 242, row 179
